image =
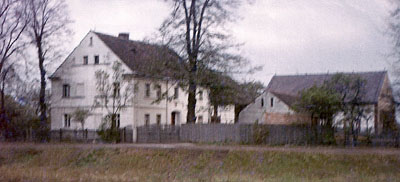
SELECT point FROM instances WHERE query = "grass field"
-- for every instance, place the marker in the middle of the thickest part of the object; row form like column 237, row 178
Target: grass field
column 70, row 163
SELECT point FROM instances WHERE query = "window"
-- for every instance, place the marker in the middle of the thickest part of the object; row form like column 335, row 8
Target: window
column 67, row 120
column 147, row 89
column 200, row 119
column 85, row 59
column 147, row 119
column 200, row 95
column 272, row 102
column 176, row 93
column 262, row 102
column 158, row 88
column 118, row 120
column 116, row 86
column 91, row 42
column 96, row 59
column 66, row 90
column 158, row 119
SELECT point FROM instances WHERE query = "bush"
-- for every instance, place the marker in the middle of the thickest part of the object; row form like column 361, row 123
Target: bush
column 107, row 133
column 260, row 133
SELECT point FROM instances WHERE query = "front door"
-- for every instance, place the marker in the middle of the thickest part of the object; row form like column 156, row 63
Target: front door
column 173, row 117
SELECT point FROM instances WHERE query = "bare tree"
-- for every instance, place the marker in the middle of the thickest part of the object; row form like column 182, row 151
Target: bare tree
column 49, row 22
column 112, row 99
column 80, row 115
column 197, row 31
column 12, row 26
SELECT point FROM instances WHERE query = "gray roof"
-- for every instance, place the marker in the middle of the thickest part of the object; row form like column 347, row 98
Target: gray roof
column 289, row 87
column 141, row 57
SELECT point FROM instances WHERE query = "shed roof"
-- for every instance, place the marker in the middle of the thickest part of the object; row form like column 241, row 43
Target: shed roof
column 288, row 87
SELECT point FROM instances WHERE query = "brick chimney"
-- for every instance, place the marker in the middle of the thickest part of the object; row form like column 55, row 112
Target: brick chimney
column 124, row 36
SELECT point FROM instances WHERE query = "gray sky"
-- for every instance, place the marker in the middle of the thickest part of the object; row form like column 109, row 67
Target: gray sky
column 285, row 36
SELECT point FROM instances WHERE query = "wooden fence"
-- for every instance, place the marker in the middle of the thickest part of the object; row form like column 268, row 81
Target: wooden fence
column 231, row 133
column 86, row 135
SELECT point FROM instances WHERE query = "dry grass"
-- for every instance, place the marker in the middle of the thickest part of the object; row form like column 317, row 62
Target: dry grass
column 129, row 164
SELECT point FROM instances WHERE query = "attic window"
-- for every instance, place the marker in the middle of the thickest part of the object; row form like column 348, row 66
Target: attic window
column 272, row 102
column 91, row 42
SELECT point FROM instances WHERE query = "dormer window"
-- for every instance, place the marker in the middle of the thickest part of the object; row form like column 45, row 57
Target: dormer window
column 85, row 60
column 96, row 59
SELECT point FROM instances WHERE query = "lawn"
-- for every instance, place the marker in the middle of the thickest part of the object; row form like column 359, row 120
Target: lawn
column 70, row 163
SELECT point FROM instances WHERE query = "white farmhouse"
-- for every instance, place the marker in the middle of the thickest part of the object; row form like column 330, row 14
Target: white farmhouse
column 275, row 105
column 74, row 86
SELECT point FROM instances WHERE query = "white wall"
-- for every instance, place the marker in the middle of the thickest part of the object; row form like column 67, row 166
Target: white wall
column 82, row 81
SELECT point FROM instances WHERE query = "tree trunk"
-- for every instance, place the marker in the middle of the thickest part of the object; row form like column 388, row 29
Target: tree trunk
column 42, row 95
column 3, row 122
column 191, row 113
column 215, row 116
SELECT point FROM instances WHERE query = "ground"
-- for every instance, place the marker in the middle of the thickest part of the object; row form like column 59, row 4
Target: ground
column 193, row 162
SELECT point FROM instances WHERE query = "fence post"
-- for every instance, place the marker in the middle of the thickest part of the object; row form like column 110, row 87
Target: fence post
column 60, row 135
column 86, row 134
column 124, row 135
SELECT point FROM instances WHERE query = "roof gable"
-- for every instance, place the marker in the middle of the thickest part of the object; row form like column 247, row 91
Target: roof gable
column 290, row 86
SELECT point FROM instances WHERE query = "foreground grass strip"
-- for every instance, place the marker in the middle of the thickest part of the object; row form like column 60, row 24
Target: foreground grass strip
column 130, row 164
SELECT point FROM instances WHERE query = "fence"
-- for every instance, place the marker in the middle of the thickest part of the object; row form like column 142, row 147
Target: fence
column 233, row 133
column 236, row 133
column 87, row 135
column 158, row 134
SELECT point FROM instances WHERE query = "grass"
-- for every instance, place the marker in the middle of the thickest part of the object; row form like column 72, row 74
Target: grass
column 129, row 164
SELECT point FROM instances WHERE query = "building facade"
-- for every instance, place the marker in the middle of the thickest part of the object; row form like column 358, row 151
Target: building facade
column 275, row 105
column 73, row 86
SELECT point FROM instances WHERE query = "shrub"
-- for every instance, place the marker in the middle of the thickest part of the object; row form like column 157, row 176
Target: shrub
column 260, row 133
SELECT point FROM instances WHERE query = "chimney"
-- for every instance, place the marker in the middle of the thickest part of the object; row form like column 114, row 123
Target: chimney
column 124, row 36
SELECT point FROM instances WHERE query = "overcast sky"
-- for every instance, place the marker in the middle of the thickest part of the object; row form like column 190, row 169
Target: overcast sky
column 285, row 36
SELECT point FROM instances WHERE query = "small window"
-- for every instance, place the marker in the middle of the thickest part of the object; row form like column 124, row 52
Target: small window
column 118, row 120
column 67, row 120
column 91, row 42
column 158, row 119
column 147, row 89
column 116, row 86
column 85, row 60
column 158, row 88
column 200, row 95
column 96, row 59
column 272, row 102
column 262, row 102
column 147, row 119
column 176, row 93
column 200, row 119
column 66, row 91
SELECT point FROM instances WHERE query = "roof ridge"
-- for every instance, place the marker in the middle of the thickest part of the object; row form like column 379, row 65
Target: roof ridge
column 329, row 73
column 129, row 40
